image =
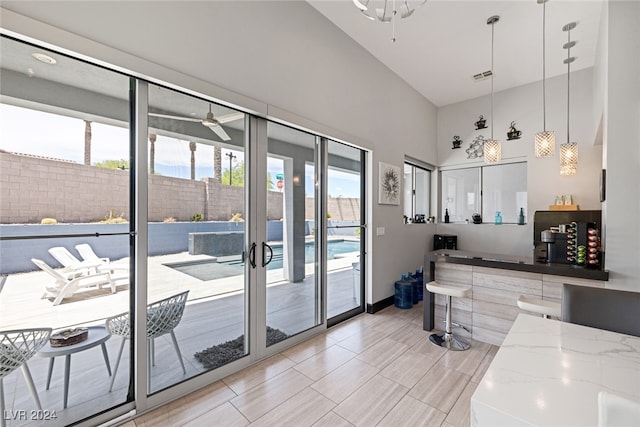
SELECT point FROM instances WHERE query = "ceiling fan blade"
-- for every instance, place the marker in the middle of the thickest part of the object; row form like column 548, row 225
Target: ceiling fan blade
column 220, row 132
column 168, row 116
column 230, row 117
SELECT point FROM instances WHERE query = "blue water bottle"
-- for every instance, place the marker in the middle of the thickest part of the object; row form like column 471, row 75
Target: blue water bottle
column 420, row 278
column 403, row 293
column 414, row 288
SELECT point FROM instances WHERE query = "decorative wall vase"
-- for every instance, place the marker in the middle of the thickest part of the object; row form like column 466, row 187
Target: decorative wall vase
column 480, row 124
column 456, row 142
column 513, row 133
column 475, row 149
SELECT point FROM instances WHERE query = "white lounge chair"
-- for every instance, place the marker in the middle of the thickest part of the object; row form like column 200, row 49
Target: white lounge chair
column 64, row 286
column 104, row 264
column 72, row 265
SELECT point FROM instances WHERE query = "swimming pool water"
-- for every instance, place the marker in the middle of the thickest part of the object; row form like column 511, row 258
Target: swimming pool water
column 334, row 247
column 233, row 267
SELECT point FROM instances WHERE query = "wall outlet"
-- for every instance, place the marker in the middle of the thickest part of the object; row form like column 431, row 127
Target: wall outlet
column 380, row 231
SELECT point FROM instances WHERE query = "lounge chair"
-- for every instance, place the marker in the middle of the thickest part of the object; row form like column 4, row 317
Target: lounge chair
column 104, row 264
column 72, row 265
column 162, row 318
column 64, row 286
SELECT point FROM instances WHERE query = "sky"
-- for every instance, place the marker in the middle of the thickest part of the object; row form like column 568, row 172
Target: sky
column 50, row 135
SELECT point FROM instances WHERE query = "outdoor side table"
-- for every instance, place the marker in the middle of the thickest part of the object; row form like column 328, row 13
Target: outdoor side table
column 97, row 335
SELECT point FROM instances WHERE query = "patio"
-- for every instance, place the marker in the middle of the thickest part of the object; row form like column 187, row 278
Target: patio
column 214, row 314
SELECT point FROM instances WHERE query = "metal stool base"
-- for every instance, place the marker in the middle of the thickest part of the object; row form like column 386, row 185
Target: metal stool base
column 449, row 341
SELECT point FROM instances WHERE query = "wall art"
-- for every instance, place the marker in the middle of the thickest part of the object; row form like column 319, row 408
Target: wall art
column 389, row 187
column 476, row 148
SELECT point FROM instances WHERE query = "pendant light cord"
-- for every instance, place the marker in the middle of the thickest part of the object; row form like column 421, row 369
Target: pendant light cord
column 544, row 68
column 568, row 79
column 492, row 76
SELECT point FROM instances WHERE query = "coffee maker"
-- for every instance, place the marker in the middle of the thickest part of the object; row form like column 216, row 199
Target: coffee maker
column 556, row 246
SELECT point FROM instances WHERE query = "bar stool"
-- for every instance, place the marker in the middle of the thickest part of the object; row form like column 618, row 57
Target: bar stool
column 539, row 306
column 447, row 339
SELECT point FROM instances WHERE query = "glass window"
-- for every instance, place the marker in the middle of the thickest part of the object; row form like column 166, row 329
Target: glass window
column 486, row 190
column 417, row 185
column 460, row 194
column 504, row 190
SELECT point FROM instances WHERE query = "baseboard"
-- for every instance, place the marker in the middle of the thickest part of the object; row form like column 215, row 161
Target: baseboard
column 377, row 306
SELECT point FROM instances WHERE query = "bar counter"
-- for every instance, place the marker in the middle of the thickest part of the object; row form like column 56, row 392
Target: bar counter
column 497, row 281
column 508, row 262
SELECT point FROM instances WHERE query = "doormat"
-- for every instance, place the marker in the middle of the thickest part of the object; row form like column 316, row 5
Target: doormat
column 221, row 354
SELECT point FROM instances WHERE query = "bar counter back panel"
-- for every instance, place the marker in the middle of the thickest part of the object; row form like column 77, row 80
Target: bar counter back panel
column 497, row 281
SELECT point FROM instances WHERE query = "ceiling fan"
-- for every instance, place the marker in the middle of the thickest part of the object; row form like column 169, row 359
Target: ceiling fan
column 209, row 121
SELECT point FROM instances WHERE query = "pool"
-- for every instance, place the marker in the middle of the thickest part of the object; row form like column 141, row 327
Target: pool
column 233, row 266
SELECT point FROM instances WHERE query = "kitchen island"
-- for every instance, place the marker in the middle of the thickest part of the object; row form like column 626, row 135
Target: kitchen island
column 497, row 281
column 550, row 373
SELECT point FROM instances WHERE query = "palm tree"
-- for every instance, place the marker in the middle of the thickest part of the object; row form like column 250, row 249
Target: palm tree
column 87, row 142
column 217, row 163
column 152, row 153
column 192, row 147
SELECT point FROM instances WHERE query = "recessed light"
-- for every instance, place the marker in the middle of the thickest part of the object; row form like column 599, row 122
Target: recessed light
column 44, row 58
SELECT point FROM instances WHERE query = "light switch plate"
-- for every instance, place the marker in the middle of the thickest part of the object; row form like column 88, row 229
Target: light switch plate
column 380, row 231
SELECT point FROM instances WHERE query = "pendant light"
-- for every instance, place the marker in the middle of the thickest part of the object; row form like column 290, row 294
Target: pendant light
column 492, row 149
column 569, row 150
column 545, row 141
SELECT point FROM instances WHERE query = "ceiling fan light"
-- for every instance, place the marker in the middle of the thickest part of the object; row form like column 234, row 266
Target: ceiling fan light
column 545, row 144
column 360, row 5
column 366, row 15
column 492, row 151
column 383, row 16
column 405, row 12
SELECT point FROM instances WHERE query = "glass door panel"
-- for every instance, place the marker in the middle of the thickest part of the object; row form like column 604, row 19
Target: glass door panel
column 345, row 231
column 196, row 237
column 290, row 254
column 65, row 251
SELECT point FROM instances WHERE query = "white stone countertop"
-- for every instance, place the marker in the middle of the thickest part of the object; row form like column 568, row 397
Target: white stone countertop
column 549, row 373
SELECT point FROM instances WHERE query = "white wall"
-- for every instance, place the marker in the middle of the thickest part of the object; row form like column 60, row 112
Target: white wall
column 279, row 59
column 524, row 106
column 622, row 143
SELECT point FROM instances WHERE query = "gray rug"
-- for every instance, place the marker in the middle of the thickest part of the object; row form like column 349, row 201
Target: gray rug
column 221, row 354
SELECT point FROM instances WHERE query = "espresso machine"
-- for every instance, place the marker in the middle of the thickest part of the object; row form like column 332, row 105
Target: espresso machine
column 556, row 242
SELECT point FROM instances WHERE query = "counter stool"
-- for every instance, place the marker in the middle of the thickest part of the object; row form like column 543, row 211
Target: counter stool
column 447, row 339
column 539, row 306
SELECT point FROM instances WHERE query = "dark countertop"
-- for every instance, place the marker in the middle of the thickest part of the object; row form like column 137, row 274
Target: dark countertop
column 508, row 262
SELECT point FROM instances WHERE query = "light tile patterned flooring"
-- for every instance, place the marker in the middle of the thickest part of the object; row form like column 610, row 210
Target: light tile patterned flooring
column 376, row 369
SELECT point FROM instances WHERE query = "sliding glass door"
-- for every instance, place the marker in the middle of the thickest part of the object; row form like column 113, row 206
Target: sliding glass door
column 164, row 239
column 345, row 247
column 65, row 233
column 290, row 252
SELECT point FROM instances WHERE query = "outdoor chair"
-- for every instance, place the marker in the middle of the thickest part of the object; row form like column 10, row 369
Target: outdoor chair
column 162, row 318
column 16, row 348
column 103, row 264
column 71, row 264
column 64, row 286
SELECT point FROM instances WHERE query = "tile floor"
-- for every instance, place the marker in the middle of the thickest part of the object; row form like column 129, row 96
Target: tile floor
column 372, row 370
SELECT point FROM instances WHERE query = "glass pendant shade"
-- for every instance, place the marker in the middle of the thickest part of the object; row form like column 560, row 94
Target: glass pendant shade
column 492, row 151
column 569, row 158
column 545, row 144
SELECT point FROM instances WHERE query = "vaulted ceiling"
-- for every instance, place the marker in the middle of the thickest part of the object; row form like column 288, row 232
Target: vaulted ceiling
column 445, row 42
